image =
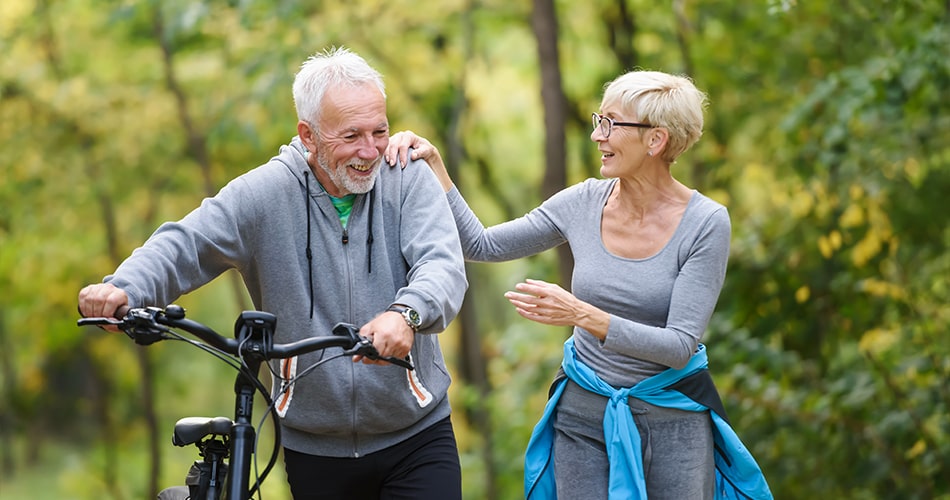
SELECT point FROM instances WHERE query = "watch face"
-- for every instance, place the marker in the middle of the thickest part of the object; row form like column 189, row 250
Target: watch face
column 413, row 316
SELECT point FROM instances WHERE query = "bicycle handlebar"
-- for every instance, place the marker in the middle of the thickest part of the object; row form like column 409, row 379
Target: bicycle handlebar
column 253, row 344
column 151, row 324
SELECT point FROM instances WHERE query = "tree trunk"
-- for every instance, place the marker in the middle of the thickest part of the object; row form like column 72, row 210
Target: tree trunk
column 544, row 23
column 473, row 368
column 8, row 412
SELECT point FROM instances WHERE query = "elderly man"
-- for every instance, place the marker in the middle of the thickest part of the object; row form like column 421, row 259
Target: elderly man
column 321, row 234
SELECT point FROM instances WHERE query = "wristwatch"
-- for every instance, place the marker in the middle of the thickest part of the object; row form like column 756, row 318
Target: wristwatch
column 409, row 314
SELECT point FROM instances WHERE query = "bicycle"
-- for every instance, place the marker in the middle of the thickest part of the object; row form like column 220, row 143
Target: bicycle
column 227, row 446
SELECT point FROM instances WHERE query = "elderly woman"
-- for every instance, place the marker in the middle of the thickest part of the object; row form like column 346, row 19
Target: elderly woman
column 633, row 411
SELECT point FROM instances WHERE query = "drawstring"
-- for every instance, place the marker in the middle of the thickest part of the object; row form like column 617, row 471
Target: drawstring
column 369, row 236
column 306, row 200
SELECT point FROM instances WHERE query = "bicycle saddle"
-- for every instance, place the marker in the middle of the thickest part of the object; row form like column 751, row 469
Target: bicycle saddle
column 192, row 429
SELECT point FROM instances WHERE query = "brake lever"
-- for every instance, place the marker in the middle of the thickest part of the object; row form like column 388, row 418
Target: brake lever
column 405, row 363
column 138, row 324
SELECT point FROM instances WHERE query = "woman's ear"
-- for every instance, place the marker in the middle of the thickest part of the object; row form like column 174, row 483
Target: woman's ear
column 658, row 139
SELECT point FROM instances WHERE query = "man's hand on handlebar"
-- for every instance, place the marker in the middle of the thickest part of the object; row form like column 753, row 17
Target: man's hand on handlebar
column 103, row 300
column 391, row 337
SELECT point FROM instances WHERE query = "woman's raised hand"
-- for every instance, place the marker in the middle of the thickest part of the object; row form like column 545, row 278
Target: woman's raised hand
column 398, row 154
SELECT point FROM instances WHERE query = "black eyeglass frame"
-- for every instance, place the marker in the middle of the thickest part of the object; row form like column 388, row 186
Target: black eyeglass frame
column 599, row 119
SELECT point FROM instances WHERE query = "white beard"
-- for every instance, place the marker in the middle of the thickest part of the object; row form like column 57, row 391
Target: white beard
column 341, row 178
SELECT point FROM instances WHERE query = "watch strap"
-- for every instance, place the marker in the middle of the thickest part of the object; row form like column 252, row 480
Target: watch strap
column 410, row 315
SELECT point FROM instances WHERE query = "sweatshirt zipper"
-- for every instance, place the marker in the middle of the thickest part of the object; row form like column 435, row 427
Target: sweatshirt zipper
column 354, row 418
column 354, row 421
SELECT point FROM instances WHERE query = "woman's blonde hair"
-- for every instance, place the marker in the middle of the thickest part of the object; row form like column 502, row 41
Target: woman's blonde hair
column 662, row 100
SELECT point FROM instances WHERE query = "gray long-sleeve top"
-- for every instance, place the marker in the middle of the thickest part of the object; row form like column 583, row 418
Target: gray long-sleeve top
column 258, row 225
column 659, row 306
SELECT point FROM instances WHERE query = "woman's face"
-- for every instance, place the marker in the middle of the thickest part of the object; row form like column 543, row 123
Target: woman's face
column 623, row 150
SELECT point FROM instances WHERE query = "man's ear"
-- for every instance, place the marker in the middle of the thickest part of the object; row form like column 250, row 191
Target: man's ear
column 307, row 135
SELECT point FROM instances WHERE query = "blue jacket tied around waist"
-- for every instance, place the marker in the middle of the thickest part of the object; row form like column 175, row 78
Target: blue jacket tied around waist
column 737, row 474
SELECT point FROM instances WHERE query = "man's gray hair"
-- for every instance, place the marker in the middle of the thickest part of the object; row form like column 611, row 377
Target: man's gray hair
column 332, row 67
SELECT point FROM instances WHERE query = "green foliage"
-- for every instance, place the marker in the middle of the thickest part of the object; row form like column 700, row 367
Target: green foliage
column 826, row 136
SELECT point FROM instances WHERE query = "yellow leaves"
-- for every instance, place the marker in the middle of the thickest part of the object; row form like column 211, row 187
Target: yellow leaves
column 825, row 201
column 829, row 244
column 853, row 215
column 880, row 288
column 13, row 13
column 866, row 249
column 878, row 234
column 801, row 203
column 759, row 190
column 862, row 211
column 913, row 171
column 915, row 451
column 856, row 191
column 878, row 340
column 802, row 294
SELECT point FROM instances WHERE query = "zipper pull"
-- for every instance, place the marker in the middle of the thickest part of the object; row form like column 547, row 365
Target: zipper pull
column 346, row 236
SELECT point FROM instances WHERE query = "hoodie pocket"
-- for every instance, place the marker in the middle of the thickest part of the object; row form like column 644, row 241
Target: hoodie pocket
column 283, row 390
column 429, row 380
column 417, row 388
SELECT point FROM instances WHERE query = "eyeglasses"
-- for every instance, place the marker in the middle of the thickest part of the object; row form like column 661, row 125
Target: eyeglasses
column 607, row 124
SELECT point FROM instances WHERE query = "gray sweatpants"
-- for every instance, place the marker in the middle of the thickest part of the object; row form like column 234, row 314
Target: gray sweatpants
column 677, row 449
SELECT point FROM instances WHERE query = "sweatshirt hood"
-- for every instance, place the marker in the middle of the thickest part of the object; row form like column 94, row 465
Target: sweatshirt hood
column 294, row 157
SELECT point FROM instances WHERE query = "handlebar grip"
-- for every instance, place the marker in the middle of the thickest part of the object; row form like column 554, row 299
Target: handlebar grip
column 97, row 321
column 347, row 330
column 363, row 347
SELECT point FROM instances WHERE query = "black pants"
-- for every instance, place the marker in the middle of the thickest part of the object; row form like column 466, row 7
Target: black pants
column 423, row 467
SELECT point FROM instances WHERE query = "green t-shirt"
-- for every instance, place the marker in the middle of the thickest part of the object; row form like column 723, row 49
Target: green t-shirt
column 343, row 207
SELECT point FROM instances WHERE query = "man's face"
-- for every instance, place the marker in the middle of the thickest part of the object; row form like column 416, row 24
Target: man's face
column 353, row 136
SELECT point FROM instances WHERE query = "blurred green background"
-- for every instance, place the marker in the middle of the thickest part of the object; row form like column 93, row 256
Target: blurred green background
column 827, row 137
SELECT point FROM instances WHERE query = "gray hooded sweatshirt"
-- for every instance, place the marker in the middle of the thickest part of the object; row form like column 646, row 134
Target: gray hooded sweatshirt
column 400, row 246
